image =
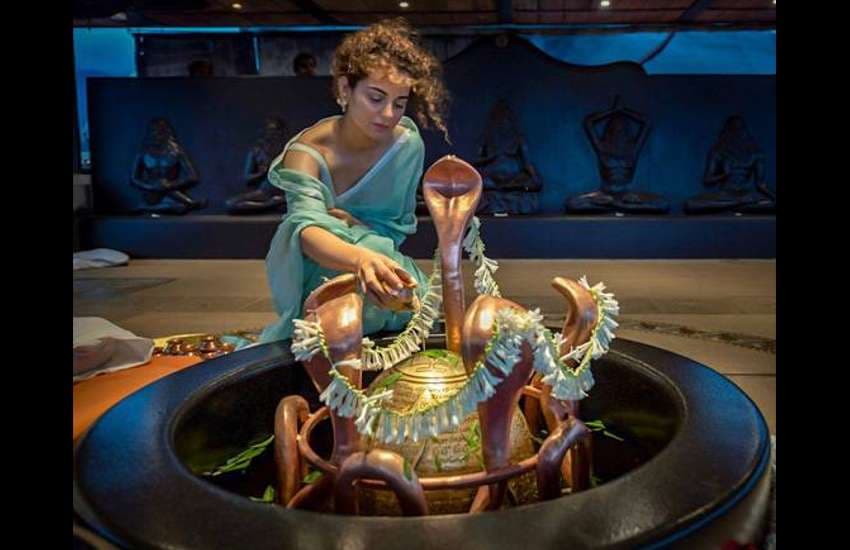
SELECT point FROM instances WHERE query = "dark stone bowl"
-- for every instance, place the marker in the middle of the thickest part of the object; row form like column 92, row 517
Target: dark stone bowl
column 703, row 480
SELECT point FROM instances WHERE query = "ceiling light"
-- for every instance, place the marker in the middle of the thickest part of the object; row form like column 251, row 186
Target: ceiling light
column 237, row 6
column 605, row 3
column 404, row 4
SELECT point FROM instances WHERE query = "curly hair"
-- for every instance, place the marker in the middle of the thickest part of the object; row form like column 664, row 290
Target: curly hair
column 392, row 44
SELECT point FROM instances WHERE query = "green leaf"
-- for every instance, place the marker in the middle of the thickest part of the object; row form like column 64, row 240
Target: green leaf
column 268, row 495
column 242, row 460
column 388, row 381
column 612, row 436
column 312, row 477
column 599, row 426
column 595, row 425
column 436, row 353
column 408, row 473
column 261, row 446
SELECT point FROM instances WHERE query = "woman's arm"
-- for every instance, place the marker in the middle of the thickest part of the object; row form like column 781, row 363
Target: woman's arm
column 377, row 273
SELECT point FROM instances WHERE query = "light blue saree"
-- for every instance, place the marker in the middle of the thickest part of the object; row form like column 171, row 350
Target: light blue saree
column 384, row 199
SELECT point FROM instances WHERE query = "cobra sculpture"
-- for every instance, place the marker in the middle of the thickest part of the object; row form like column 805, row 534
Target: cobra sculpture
column 506, row 353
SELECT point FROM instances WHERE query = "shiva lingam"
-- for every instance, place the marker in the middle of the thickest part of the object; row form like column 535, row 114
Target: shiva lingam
column 404, row 434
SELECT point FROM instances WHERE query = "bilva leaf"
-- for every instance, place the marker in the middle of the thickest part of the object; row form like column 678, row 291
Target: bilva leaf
column 268, row 495
column 612, row 436
column 388, row 381
column 599, row 426
column 435, row 353
column 595, row 425
column 312, row 477
column 242, row 460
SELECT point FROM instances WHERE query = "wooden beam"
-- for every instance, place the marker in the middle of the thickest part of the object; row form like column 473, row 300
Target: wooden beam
column 692, row 11
column 316, row 11
column 506, row 11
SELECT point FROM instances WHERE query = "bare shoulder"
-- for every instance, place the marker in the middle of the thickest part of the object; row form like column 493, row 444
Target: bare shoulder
column 319, row 136
column 302, row 162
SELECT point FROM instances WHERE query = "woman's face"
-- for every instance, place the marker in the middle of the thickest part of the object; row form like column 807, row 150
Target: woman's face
column 376, row 104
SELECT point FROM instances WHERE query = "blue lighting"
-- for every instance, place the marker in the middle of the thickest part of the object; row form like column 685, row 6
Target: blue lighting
column 689, row 52
column 111, row 52
column 99, row 52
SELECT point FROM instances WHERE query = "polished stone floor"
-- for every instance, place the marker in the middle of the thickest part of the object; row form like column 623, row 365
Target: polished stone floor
column 721, row 313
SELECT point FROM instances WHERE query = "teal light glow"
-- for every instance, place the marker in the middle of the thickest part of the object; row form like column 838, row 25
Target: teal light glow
column 99, row 52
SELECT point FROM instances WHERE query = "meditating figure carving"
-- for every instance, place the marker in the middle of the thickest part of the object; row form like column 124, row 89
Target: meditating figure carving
column 617, row 150
column 163, row 171
column 511, row 185
column 736, row 171
column 263, row 196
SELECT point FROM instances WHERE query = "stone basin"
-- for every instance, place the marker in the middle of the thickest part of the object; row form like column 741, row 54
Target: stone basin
column 692, row 473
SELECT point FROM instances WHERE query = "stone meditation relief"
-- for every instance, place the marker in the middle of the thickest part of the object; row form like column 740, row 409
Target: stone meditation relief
column 735, row 175
column 164, row 172
column 263, row 197
column 618, row 136
column 511, row 184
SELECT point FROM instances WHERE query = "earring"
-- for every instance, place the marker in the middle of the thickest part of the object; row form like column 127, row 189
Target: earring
column 342, row 103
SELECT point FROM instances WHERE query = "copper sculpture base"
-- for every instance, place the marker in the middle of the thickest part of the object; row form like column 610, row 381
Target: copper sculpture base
column 446, row 492
column 428, row 378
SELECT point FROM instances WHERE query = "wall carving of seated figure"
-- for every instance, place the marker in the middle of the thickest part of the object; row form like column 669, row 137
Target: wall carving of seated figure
column 163, row 171
column 511, row 184
column 263, row 196
column 617, row 146
column 735, row 174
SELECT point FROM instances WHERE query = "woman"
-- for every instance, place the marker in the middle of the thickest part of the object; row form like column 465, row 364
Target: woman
column 350, row 180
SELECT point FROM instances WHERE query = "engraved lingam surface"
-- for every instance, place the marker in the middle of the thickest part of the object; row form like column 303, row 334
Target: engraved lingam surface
column 426, row 379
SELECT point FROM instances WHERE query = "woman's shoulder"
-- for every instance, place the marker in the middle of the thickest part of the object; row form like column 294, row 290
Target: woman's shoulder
column 407, row 123
column 311, row 143
column 319, row 136
column 412, row 135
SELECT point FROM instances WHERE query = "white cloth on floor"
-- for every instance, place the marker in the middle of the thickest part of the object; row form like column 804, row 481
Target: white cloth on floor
column 99, row 257
column 101, row 347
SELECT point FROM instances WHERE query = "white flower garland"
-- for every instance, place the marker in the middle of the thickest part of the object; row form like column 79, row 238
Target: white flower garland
column 308, row 337
column 597, row 346
column 503, row 351
column 413, row 337
column 485, row 283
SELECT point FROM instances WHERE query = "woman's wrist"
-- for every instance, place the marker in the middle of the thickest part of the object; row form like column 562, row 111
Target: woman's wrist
column 356, row 257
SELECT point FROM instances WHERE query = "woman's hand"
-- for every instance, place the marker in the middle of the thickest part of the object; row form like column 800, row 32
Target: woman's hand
column 381, row 278
column 345, row 216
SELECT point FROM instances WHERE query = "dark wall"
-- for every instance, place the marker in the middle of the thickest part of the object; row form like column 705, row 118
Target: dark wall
column 551, row 99
column 217, row 120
